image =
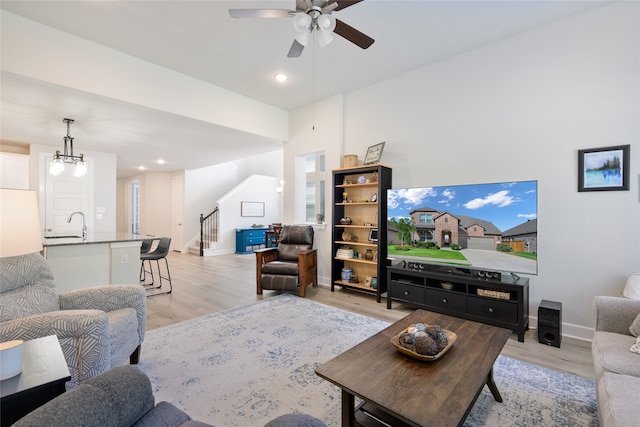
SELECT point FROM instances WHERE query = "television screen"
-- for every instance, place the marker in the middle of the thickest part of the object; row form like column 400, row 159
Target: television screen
column 484, row 226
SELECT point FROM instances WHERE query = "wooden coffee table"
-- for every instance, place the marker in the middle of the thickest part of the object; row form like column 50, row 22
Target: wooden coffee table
column 402, row 391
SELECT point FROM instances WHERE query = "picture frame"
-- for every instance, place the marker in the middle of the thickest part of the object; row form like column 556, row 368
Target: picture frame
column 604, row 168
column 373, row 154
column 251, row 208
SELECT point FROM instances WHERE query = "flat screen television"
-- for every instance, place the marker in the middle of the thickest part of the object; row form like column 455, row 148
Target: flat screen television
column 491, row 227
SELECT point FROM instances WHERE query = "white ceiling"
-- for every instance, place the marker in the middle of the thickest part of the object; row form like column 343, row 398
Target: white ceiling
column 201, row 40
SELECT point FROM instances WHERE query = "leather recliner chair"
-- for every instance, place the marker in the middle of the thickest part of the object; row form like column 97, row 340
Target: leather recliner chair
column 292, row 265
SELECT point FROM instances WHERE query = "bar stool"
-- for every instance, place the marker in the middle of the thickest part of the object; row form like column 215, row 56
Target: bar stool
column 161, row 252
column 145, row 248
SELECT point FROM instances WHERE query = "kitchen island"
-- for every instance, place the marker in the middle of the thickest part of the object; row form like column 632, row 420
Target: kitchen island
column 103, row 259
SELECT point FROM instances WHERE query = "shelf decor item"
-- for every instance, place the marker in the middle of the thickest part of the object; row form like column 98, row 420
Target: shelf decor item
column 604, row 169
column 374, row 153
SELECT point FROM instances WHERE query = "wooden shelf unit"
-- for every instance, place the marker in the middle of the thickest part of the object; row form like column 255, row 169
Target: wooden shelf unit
column 367, row 207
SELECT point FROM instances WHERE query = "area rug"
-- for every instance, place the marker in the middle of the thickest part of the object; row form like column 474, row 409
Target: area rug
column 247, row 365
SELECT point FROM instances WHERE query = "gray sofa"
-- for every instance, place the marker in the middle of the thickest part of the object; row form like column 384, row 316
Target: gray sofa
column 121, row 397
column 617, row 369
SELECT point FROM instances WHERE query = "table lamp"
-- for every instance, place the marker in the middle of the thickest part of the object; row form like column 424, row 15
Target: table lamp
column 19, row 235
column 19, row 223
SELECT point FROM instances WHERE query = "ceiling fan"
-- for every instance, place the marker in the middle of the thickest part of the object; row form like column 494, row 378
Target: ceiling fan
column 310, row 16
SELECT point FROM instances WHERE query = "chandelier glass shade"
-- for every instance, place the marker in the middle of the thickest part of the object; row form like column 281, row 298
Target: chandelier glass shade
column 59, row 159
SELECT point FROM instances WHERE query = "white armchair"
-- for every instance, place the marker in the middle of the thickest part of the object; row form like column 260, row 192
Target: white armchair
column 98, row 328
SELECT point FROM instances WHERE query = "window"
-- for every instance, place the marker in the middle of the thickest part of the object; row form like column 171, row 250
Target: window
column 425, row 236
column 315, row 188
column 135, row 208
column 426, row 218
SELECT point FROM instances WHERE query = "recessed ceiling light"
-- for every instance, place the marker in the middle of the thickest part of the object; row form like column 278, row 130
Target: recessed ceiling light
column 141, row 168
column 281, row 77
column 161, row 162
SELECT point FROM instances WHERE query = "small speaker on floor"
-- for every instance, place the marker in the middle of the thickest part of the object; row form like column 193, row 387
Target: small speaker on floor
column 550, row 323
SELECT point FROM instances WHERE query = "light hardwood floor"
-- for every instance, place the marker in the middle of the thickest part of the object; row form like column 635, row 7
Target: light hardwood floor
column 203, row 285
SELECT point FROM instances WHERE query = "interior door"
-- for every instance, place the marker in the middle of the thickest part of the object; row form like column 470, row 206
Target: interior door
column 65, row 194
column 177, row 208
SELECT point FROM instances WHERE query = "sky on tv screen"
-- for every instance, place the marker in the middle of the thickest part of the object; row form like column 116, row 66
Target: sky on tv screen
column 505, row 204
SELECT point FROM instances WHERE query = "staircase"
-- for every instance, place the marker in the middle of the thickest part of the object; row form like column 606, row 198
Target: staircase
column 208, row 242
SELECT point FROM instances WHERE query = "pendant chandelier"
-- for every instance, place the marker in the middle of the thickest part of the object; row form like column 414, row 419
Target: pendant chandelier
column 59, row 159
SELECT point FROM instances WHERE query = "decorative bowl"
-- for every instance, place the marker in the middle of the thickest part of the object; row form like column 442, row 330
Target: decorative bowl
column 345, row 221
column 425, row 358
column 446, row 285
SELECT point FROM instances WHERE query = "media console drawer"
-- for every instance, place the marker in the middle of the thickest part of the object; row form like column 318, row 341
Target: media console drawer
column 502, row 311
column 447, row 300
column 407, row 292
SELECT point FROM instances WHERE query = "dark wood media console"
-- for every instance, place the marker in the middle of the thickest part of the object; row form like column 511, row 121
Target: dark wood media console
column 501, row 301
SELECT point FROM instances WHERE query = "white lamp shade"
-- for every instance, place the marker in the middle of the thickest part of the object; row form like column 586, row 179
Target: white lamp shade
column 19, row 223
column 303, row 38
column 324, row 38
column 301, row 22
column 326, row 25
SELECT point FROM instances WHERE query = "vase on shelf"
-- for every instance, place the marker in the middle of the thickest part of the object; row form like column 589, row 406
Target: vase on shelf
column 368, row 255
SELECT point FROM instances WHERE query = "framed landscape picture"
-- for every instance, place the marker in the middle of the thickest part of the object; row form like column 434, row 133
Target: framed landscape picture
column 604, row 169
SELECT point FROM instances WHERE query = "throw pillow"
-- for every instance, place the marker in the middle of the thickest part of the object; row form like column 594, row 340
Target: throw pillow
column 632, row 287
column 635, row 327
column 636, row 347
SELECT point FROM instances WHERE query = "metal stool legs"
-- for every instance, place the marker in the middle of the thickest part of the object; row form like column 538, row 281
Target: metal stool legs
column 159, row 253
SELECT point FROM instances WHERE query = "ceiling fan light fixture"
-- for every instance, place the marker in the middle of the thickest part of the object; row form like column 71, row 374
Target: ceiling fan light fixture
column 301, row 22
column 326, row 23
column 303, row 37
column 324, row 38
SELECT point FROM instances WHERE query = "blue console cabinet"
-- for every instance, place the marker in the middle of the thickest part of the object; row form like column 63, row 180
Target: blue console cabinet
column 248, row 238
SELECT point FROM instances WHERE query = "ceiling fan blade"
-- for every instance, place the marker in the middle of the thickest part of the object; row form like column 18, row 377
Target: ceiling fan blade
column 261, row 13
column 343, row 4
column 353, row 35
column 295, row 50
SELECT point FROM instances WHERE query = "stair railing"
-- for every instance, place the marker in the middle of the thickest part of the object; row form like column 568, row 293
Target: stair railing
column 208, row 230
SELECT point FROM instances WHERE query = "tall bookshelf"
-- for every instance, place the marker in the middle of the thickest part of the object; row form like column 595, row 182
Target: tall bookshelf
column 360, row 193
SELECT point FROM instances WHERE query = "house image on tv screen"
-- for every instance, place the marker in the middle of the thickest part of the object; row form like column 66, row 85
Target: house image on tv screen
column 445, row 229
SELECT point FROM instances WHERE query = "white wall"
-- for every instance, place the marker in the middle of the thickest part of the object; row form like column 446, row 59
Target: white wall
column 256, row 188
column 313, row 129
column 521, row 109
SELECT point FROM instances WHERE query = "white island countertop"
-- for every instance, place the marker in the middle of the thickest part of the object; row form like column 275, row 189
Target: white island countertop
column 92, row 238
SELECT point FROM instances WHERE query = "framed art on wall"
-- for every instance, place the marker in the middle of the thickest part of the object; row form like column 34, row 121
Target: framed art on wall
column 604, row 169
column 251, row 208
column 373, row 154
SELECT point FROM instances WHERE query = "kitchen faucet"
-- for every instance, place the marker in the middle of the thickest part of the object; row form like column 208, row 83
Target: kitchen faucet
column 84, row 224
